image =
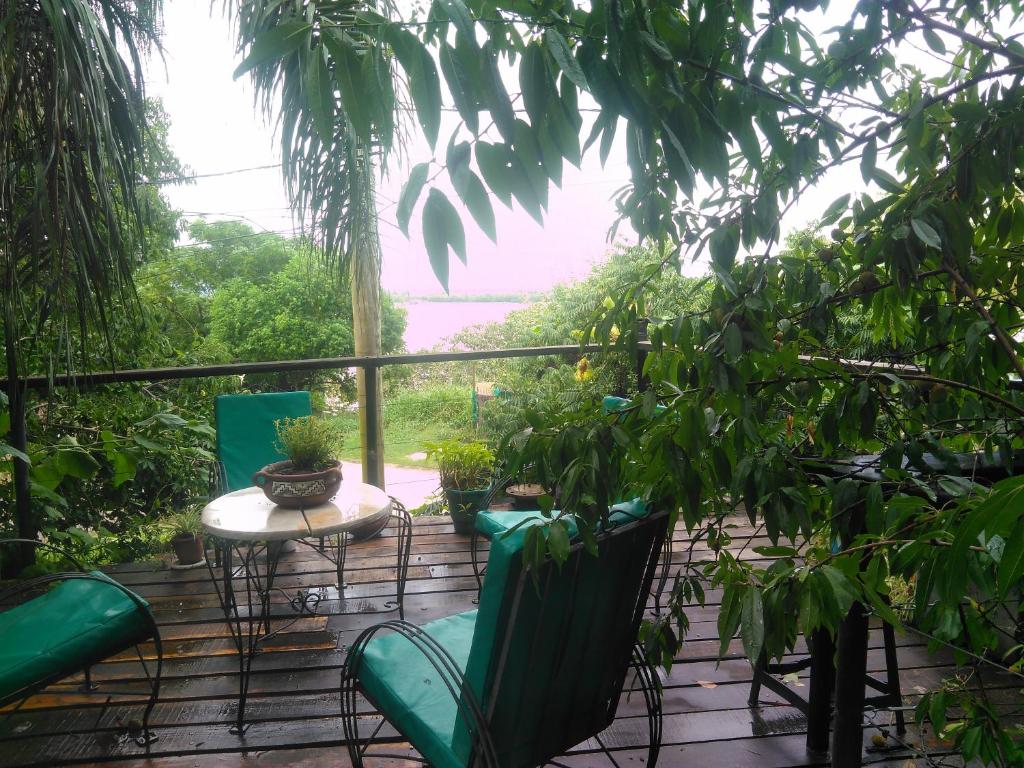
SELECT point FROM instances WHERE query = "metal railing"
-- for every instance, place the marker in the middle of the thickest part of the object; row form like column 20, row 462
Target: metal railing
column 371, row 366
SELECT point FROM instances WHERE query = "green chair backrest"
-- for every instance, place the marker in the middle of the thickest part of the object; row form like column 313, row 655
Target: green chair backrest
column 246, row 438
column 550, row 656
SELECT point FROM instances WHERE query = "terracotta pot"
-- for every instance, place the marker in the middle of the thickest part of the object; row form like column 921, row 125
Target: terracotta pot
column 463, row 506
column 189, row 548
column 297, row 490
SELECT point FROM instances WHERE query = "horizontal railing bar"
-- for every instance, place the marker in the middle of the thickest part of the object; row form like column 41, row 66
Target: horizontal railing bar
column 285, row 366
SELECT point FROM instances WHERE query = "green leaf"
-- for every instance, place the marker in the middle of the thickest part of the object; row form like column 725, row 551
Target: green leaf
column 496, row 96
column 75, row 462
column 835, row 210
column 868, row 160
column 474, row 196
column 275, row 43
column 733, row 338
column 125, row 465
column 752, row 624
column 1011, row 566
column 10, row 450
column 562, row 54
column 729, row 616
column 536, row 83
column 424, row 83
column 347, row 75
column 320, row 95
column 724, row 243
column 887, row 181
column 460, row 83
column 442, row 228
column 461, row 18
column 934, row 41
column 558, row 541
column 926, row 233
column 410, row 194
column 844, row 591
column 493, row 161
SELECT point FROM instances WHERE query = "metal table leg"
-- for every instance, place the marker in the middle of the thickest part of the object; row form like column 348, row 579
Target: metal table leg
column 248, row 631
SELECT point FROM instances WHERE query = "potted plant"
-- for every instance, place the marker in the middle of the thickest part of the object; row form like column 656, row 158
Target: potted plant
column 310, row 475
column 186, row 528
column 465, row 469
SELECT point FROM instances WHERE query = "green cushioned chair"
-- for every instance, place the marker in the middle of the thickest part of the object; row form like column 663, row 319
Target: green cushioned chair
column 494, row 522
column 246, row 437
column 537, row 669
column 76, row 620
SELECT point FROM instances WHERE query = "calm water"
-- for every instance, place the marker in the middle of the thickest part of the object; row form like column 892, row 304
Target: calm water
column 430, row 322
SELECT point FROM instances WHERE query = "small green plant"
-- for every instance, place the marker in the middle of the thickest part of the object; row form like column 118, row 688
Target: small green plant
column 462, row 465
column 309, row 441
column 184, row 521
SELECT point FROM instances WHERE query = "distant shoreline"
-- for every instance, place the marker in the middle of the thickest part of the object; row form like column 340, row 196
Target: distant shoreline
column 496, row 298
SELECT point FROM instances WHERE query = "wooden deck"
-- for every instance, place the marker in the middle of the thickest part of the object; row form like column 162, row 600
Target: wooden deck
column 294, row 700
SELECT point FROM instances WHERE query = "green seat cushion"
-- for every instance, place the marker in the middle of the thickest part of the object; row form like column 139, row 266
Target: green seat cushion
column 411, row 694
column 492, row 522
column 78, row 622
column 246, row 437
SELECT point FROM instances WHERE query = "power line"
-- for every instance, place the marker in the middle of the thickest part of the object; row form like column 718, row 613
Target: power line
column 193, row 177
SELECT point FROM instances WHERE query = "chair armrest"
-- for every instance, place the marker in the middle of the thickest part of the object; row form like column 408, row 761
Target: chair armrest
column 44, row 545
column 446, row 667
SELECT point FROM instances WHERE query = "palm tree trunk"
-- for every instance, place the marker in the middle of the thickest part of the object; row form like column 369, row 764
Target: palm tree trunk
column 364, row 266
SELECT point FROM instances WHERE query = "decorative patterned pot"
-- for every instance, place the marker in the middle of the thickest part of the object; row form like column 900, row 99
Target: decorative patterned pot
column 297, row 490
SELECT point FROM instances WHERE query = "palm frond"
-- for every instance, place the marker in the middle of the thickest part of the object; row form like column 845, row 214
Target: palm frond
column 332, row 84
column 72, row 116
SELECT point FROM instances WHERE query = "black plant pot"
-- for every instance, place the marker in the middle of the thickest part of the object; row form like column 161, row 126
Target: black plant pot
column 463, row 506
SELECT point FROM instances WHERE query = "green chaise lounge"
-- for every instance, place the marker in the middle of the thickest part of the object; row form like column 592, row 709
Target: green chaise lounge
column 77, row 620
column 536, row 670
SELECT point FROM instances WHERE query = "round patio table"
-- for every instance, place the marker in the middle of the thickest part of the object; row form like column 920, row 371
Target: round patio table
column 248, row 532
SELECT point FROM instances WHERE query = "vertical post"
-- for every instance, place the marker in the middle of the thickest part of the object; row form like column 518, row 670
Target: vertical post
column 851, row 667
column 373, row 461
column 819, row 699
column 364, row 261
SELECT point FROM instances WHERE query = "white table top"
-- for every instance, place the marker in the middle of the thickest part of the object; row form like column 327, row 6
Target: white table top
column 249, row 515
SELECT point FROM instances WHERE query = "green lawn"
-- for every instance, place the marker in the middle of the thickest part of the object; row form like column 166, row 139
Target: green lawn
column 411, row 419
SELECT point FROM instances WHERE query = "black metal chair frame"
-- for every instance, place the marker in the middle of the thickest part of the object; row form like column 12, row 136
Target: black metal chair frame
column 483, row 751
column 145, row 736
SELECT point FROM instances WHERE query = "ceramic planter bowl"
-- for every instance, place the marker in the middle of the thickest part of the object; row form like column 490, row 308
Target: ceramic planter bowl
column 297, row 490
